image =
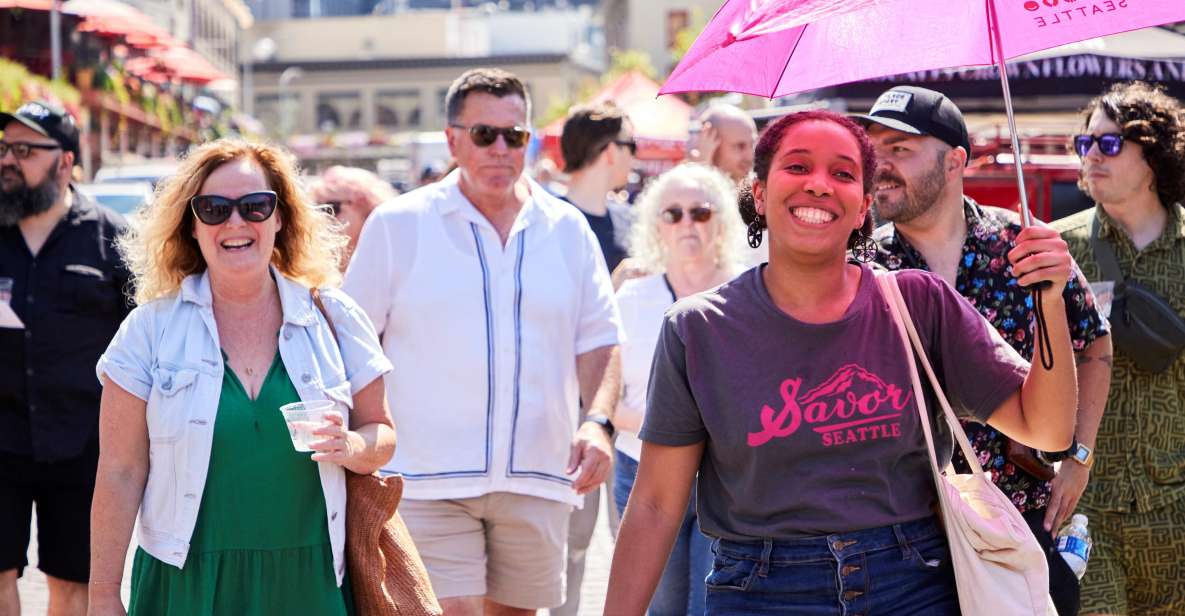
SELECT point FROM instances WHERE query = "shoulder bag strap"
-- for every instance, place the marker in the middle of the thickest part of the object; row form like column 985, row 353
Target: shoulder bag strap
column 892, row 294
column 325, row 313
column 1104, row 254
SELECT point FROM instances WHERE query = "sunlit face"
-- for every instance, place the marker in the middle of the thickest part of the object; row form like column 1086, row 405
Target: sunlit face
column 813, row 197
column 911, row 173
column 734, row 156
column 687, row 239
column 237, row 248
column 495, row 168
column 1114, row 179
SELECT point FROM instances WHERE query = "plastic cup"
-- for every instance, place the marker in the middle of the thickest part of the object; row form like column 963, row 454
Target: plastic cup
column 304, row 417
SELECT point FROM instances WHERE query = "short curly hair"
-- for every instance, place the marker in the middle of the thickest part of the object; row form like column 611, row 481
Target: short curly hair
column 644, row 243
column 1148, row 116
column 771, row 140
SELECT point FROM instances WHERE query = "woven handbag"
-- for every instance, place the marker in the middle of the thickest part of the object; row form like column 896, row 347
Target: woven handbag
column 999, row 566
column 387, row 576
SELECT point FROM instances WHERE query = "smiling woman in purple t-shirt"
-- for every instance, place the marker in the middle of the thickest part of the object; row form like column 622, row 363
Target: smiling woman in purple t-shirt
column 788, row 391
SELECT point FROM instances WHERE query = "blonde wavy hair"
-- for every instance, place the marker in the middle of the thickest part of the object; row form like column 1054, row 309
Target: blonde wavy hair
column 644, row 243
column 161, row 251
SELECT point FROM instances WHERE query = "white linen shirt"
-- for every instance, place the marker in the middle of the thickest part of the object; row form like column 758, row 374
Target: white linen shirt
column 167, row 353
column 643, row 303
column 483, row 337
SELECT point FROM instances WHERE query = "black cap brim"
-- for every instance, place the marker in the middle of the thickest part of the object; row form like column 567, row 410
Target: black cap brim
column 889, row 123
column 5, row 118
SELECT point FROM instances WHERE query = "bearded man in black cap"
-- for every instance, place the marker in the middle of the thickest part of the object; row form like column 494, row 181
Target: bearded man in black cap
column 922, row 146
column 67, row 299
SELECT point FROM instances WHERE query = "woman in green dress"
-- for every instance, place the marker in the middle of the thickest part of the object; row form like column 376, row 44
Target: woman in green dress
column 232, row 518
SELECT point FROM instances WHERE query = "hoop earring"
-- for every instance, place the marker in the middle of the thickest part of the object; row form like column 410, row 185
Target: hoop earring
column 864, row 248
column 755, row 229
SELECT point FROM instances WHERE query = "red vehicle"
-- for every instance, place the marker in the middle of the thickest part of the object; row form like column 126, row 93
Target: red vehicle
column 1051, row 177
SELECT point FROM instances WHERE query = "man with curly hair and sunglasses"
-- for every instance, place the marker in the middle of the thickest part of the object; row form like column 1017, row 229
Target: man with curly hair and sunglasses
column 1132, row 150
column 496, row 308
column 64, row 280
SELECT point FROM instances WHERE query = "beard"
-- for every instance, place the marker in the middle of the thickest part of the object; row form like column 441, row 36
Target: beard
column 22, row 201
column 917, row 197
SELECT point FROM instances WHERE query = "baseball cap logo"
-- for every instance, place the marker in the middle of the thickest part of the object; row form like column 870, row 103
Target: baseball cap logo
column 35, row 110
column 892, row 101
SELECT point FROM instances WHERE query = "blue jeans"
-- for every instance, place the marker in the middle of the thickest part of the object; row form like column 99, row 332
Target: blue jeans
column 681, row 590
column 903, row 569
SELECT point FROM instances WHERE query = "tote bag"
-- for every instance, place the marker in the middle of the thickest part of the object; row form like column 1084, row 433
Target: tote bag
column 999, row 566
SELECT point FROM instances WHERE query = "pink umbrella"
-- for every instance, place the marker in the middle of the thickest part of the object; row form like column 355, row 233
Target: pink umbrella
column 776, row 47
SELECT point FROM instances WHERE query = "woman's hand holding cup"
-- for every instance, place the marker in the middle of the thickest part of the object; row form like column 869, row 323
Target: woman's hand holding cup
column 335, row 444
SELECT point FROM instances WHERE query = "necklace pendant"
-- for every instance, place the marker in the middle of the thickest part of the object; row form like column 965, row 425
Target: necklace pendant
column 250, row 372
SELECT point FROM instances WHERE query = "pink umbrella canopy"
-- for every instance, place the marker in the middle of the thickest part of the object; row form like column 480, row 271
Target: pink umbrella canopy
column 773, row 48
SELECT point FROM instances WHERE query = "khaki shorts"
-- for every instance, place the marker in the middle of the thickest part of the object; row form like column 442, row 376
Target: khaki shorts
column 1136, row 565
column 509, row 548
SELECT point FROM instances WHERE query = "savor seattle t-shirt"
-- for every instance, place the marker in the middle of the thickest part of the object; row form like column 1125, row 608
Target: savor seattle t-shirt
column 812, row 429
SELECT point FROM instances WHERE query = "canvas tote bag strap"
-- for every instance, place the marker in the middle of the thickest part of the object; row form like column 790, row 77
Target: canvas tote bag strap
column 905, row 326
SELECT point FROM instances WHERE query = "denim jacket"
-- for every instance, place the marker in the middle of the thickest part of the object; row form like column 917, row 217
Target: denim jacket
column 168, row 354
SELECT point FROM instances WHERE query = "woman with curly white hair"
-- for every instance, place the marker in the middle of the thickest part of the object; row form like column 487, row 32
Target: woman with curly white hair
column 686, row 235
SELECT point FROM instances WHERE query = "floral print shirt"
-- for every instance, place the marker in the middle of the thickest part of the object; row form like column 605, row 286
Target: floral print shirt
column 985, row 279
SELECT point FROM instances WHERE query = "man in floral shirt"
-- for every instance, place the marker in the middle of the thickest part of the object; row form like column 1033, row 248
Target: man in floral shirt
column 922, row 145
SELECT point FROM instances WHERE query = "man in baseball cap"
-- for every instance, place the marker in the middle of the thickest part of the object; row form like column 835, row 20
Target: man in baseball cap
column 48, row 120
column 66, row 280
column 922, row 149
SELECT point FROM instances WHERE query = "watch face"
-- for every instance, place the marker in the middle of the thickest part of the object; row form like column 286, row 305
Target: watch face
column 1081, row 454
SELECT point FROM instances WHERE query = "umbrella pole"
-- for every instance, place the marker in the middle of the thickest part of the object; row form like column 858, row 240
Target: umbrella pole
column 1044, row 348
column 998, row 53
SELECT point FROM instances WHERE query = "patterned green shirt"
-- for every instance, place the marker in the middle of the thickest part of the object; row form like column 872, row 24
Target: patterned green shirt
column 1140, row 451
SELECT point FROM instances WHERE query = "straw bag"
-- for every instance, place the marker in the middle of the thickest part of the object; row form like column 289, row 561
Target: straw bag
column 387, row 576
column 999, row 566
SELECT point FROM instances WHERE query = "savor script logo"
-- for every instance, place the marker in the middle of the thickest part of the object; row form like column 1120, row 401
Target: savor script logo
column 1065, row 12
column 853, row 405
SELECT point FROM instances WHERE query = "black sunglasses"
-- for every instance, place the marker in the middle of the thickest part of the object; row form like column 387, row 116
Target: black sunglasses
column 699, row 213
column 215, row 209
column 629, row 144
column 21, row 151
column 1109, row 144
column 484, row 135
column 334, row 206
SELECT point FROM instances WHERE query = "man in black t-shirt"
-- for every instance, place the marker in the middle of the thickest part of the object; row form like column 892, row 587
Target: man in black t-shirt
column 66, row 286
column 598, row 147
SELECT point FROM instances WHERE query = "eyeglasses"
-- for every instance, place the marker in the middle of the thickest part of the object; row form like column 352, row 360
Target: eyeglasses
column 215, row 209
column 334, row 206
column 629, row 144
column 1109, row 144
column 699, row 213
column 21, row 151
column 484, row 135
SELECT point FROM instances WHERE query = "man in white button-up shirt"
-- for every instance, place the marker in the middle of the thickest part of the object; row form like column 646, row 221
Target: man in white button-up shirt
column 495, row 307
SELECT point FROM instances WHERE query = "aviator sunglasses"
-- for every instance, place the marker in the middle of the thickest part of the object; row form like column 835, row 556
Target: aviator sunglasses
column 484, row 135
column 1109, row 144
column 699, row 213
column 215, row 209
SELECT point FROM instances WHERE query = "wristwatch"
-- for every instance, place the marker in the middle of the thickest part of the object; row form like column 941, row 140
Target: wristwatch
column 1083, row 455
column 604, row 422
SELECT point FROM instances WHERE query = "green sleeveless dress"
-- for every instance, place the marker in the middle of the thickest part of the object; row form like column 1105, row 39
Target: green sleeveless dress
column 261, row 543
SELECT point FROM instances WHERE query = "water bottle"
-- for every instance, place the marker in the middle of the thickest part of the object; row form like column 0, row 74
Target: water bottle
column 1073, row 543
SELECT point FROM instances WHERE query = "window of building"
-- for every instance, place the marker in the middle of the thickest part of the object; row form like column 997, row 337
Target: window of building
column 339, row 111
column 677, row 21
column 397, row 109
column 280, row 117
